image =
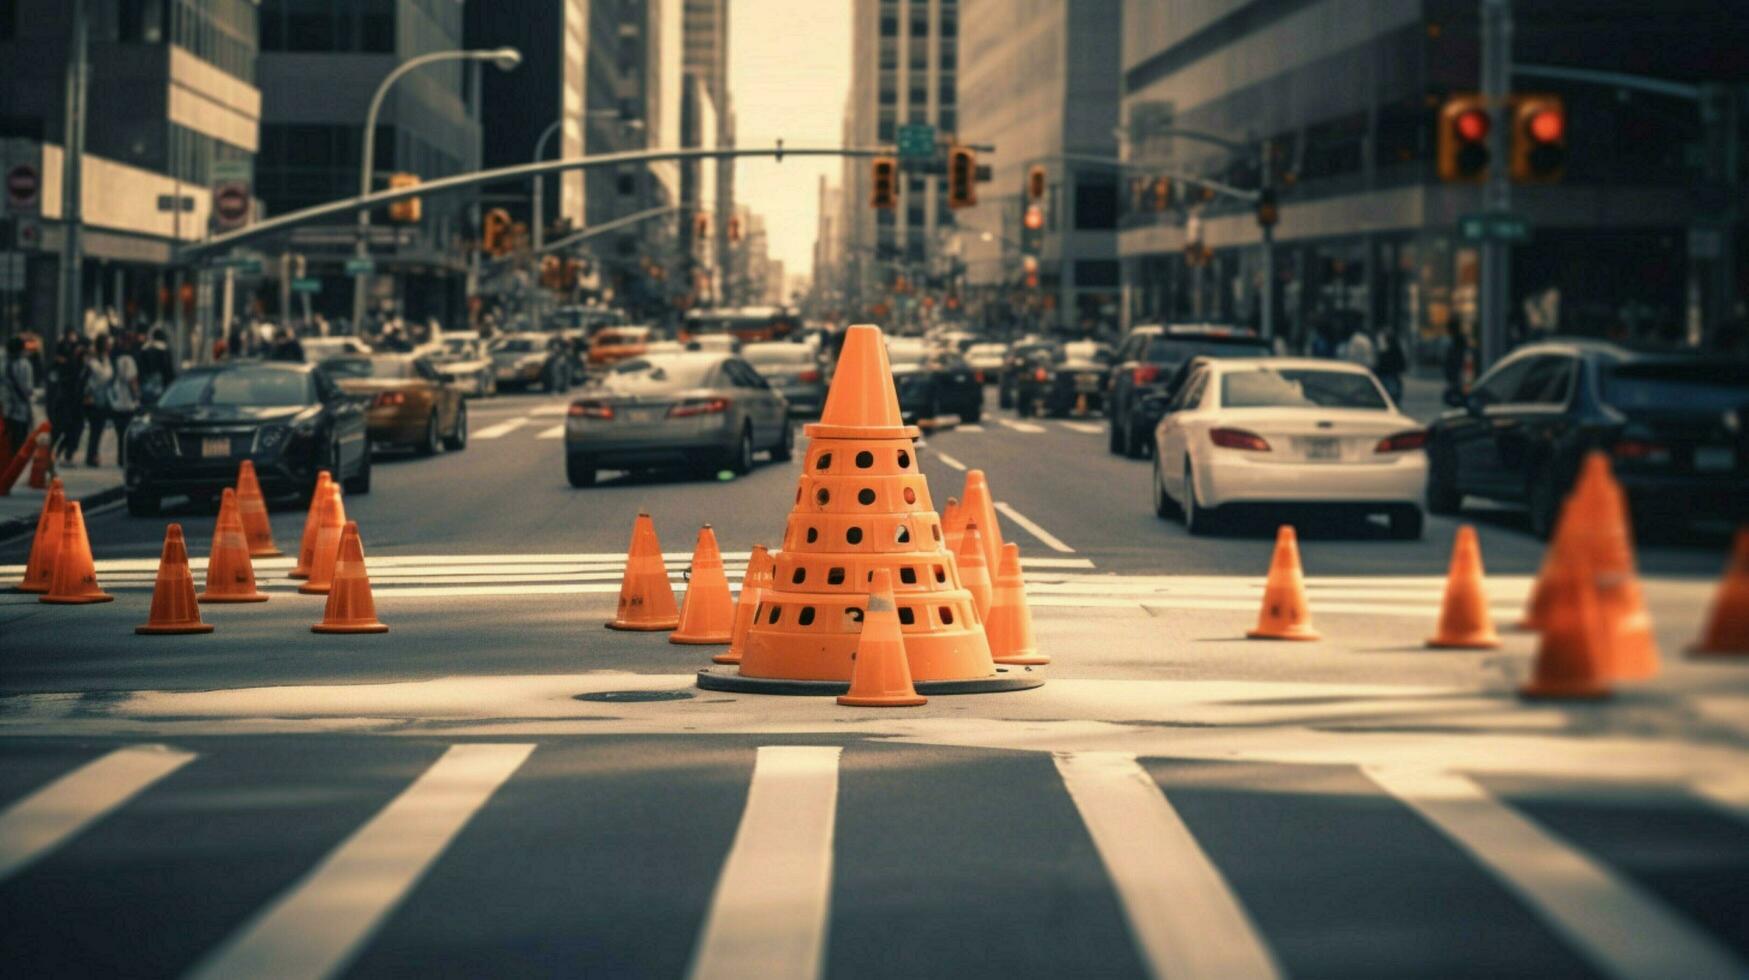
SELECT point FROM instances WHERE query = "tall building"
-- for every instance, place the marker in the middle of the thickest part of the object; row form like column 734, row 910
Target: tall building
column 904, row 70
column 320, row 64
column 1637, row 238
column 826, row 297
column 1041, row 81
column 171, row 92
column 706, row 56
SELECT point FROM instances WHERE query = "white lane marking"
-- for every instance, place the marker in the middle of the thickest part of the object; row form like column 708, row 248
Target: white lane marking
column 970, row 427
column 768, row 913
column 49, row 817
column 1026, row 427
column 1087, row 427
column 1623, row 931
column 1185, row 920
column 550, row 409
column 949, row 460
column 501, row 429
column 316, row 927
column 1728, row 793
column 556, row 432
column 1050, row 540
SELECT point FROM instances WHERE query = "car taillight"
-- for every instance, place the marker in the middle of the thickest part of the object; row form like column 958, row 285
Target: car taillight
column 1041, row 375
column 590, row 410
column 1402, row 442
column 1238, row 439
column 1145, row 374
column 808, row 375
column 699, row 406
column 1641, row 451
column 386, row 399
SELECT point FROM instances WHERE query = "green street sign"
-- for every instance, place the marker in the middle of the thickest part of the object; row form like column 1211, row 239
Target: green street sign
column 916, row 142
column 360, row 267
column 1498, row 226
column 306, row 285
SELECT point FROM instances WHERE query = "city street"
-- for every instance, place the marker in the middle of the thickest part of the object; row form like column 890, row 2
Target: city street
column 498, row 785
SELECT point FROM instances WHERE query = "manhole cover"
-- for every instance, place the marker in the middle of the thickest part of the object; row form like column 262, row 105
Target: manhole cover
column 623, row 697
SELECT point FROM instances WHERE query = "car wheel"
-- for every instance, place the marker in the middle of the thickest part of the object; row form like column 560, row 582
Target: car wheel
column 1406, row 523
column 143, row 504
column 458, row 440
column 786, row 445
column 359, row 482
column 1197, row 519
column 579, row 470
column 1164, row 505
column 1443, row 497
column 430, row 443
column 1544, row 500
column 741, row 457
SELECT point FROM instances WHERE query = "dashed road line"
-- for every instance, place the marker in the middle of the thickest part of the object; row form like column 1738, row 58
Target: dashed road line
column 1185, row 919
column 315, row 928
column 45, row 819
column 768, row 915
column 1050, row 540
column 1087, row 427
column 501, row 429
column 556, row 432
column 1026, row 427
column 949, row 460
column 1623, row 931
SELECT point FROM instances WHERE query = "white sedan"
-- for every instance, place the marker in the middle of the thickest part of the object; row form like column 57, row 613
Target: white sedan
column 1289, row 431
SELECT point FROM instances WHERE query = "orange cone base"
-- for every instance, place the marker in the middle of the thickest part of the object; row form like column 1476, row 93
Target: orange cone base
column 726, row 658
column 1480, row 641
column 663, row 626
column 822, row 651
column 894, row 701
column 32, row 589
column 1536, row 692
column 297, row 573
column 265, row 553
column 349, row 628
column 701, row 639
column 77, row 600
column 174, row 630
column 251, row 597
column 1288, row 634
column 308, row 589
column 730, row 680
column 1025, row 658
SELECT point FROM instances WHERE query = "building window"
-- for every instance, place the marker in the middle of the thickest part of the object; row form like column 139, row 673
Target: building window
column 1097, row 274
column 1095, row 205
column 889, row 54
column 884, row 132
column 889, row 25
column 920, row 22
column 948, row 121
column 946, row 87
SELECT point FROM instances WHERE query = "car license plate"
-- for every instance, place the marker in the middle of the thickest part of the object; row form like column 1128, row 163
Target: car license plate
column 1323, row 448
column 1714, row 459
column 219, row 447
column 1087, row 382
column 643, row 414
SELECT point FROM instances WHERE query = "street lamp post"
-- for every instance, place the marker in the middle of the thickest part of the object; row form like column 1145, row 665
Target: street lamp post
column 504, row 58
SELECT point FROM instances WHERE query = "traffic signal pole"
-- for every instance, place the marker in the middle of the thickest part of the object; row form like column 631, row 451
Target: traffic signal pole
column 1496, row 270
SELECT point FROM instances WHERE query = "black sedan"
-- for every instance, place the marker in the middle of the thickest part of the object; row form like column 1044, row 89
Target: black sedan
column 940, row 384
column 290, row 419
column 1676, row 427
column 1065, row 379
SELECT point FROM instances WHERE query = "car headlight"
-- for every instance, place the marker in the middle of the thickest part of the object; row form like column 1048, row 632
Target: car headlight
column 273, row 436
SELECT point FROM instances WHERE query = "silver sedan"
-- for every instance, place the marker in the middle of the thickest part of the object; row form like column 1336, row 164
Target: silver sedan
column 794, row 369
column 705, row 410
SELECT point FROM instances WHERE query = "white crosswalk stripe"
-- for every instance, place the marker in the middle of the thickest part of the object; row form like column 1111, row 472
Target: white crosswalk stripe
column 1026, row 427
column 1087, row 427
column 556, row 432
column 44, row 820
column 499, row 430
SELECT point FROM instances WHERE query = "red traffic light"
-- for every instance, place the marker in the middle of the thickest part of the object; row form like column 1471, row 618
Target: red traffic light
column 1472, row 125
column 1547, row 126
column 1035, row 217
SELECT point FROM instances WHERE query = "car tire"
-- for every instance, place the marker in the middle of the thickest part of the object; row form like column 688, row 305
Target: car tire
column 143, row 504
column 1406, row 523
column 740, row 458
column 1443, row 497
column 429, row 445
column 579, row 470
column 785, row 449
column 458, row 440
column 1543, row 501
column 1198, row 520
column 359, row 482
column 1164, row 506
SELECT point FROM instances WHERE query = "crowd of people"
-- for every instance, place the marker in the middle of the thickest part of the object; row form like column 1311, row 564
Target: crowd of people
column 91, row 384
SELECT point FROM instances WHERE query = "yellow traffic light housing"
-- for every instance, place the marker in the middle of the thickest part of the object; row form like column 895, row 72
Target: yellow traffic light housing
column 1464, row 123
column 884, row 190
column 1035, row 183
column 962, row 177
column 495, row 232
column 1539, row 139
column 406, row 211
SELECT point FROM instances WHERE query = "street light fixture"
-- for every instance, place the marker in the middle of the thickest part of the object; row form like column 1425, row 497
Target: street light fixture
column 504, row 59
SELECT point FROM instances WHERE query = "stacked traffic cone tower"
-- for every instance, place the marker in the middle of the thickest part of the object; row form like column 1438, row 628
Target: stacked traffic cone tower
column 862, row 505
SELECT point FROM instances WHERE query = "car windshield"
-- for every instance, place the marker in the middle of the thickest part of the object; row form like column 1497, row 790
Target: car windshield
column 519, row 345
column 763, row 354
column 641, row 376
column 1087, row 351
column 254, row 388
column 1300, row 388
column 1177, row 350
column 1686, row 386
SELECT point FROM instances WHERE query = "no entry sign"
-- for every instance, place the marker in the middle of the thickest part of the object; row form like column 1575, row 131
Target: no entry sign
column 23, row 184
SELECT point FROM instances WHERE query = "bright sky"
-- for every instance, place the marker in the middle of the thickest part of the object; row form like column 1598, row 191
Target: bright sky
column 789, row 71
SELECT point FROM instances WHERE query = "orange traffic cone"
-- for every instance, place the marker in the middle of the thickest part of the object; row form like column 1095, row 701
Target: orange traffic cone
column 880, row 673
column 75, row 578
column 252, row 507
column 230, row 575
column 1727, row 632
column 1611, row 556
column 1579, row 509
column 6, row 446
column 1284, row 615
column 646, row 599
column 312, row 520
column 980, row 506
column 1009, row 624
column 350, row 607
column 974, row 573
column 953, row 525
column 1464, row 622
column 707, row 614
column 174, row 607
column 39, row 569
column 753, row 586
column 330, row 523
column 21, row 458
column 42, row 465
column 1573, row 658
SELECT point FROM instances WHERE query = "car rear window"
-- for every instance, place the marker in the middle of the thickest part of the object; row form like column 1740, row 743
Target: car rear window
column 1177, row 350
column 1300, row 388
column 654, row 375
column 1690, row 386
column 269, row 389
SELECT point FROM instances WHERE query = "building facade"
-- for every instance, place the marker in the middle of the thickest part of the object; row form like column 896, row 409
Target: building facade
column 706, row 57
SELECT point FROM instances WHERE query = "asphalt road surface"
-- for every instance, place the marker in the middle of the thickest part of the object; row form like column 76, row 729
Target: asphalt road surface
column 498, row 786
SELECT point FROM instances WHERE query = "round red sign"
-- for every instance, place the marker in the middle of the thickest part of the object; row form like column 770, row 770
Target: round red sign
column 231, row 203
column 22, row 185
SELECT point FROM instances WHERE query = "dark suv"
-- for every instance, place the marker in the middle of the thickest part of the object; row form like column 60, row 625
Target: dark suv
column 1676, row 427
column 1148, row 360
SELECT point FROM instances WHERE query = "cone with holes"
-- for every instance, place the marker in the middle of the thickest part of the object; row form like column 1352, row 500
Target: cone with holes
column 1727, row 631
column 1464, row 622
column 980, row 506
column 1009, row 624
column 42, row 463
column 75, row 577
column 1284, row 615
column 646, row 598
column 862, row 506
column 707, row 614
column 39, row 568
column 21, row 458
column 1573, row 657
column 753, row 585
column 312, row 519
column 330, row 523
column 880, row 675
column 174, row 607
column 230, row 575
column 350, row 608
column 974, row 573
column 252, row 508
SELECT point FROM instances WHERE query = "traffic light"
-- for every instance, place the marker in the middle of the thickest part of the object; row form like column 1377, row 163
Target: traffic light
column 734, row 228
column 1162, row 193
column 1035, row 184
column 552, row 272
column 495, row 232
column 1034, row 219
column 1268, row 208
column 1539, row 139
column 701, row 224
column 962, row 177
column 406, row 211
column 884, row 193
column 1463, row 139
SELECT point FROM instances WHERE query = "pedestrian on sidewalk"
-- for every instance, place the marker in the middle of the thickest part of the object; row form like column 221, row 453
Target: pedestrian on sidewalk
column 17, row 382
column 99, row 394
column 1457, row 350
column 124, row 395
column 65, row 395
column 157, row 366
column 1358, row 349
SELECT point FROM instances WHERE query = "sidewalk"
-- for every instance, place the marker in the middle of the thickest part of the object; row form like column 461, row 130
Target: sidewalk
column 91, row 486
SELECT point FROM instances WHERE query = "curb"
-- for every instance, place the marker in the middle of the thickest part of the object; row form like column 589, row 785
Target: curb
column 12, row 527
